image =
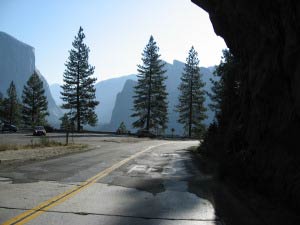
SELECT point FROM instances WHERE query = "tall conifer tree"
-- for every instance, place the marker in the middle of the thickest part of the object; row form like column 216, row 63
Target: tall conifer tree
column 11, row 105
column 79, row 87
column 150, row 99
column 35, row 103
column 192, row 96
column 225, row 89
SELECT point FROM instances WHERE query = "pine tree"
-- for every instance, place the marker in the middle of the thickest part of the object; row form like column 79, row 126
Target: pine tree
column 78, row 88
column 11, row 105
column 65, row 123
column 1, row 107
column 150, row 99
column 122, row 128
column 192, row 96
column 35, row 103
column 225, row 89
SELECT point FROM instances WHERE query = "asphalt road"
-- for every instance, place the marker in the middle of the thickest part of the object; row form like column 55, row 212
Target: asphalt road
column 121, row 182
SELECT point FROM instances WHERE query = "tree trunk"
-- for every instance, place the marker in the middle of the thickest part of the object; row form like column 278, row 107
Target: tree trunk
column 191, row 107
column 67, row 136
column 32, row 110
column 77, row 101
column 10, row 112
column 149, row 104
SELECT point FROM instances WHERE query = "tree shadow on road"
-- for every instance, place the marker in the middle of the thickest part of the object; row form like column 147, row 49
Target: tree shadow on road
column 197, row 197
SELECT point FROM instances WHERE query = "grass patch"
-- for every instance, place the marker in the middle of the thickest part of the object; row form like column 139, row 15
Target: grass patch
column 4, row 147
column 77, row 146
column 43, row 142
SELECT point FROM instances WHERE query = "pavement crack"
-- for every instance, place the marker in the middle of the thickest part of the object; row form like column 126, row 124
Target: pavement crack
column 81, row 213
column 118, row 215
column 134, row 217
column 5, row 207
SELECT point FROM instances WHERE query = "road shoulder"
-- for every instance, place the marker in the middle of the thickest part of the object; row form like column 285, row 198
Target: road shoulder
column 242, row 205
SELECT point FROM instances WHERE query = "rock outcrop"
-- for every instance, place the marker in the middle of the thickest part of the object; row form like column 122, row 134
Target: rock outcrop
column 106, row 94
column 17, row 63
column 123, row 107
column 265, row 37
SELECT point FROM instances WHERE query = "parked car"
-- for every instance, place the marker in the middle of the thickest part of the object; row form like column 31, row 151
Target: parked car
column 39, row 131
column 145, row 133
column 9, row 128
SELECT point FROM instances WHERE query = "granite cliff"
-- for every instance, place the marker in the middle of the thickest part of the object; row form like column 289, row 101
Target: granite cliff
column 18, row 64
column 264, row 36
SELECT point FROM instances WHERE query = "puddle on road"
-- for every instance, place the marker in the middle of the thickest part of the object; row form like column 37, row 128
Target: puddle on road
column 5, row 180
column 153, row 186
column 170, row 155
column 175, row 185
column 156, row 171
column 156, row 177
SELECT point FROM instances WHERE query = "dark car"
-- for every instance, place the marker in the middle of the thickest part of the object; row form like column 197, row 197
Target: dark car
column 9, row 128
column 39, row 131
column 145, row 133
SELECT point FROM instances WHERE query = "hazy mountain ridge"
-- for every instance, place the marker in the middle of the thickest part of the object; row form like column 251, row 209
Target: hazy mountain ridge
column 106, row 93
column 17, row 64
column 122, row 108
column 124, row 102
column 115, row 95
column 55, row 91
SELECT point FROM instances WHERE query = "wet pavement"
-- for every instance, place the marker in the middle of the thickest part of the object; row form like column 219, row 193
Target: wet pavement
column 162, row 185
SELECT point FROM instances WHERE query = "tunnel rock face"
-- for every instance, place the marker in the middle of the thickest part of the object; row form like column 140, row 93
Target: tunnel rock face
column 265, row 37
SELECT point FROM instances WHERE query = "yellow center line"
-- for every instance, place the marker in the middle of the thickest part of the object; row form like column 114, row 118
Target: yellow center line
column 56, row 200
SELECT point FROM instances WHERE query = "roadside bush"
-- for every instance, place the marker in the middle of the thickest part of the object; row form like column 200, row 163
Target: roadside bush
column 45, row 142
column 49, row 128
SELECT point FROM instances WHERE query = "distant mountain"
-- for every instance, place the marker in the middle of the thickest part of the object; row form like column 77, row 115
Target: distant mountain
column 124, row 104
column 17, row 63
column 123, row 108
column 55, row 91
column 106, row 93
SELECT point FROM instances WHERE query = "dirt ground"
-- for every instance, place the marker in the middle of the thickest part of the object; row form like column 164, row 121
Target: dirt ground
column 10, row 157
column 77, row 143
column 82, row 138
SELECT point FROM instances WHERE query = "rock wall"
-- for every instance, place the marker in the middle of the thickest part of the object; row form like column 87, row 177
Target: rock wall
column 106, row 93
column 265, row 37
column 17, row 63
column 123, row 107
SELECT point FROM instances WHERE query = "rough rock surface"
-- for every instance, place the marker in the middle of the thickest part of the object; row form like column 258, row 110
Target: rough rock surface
column 265, row 36
column 106, row 93
column 17, row 63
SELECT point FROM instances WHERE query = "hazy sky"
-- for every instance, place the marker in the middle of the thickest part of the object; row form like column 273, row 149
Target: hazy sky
column 116, row 32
